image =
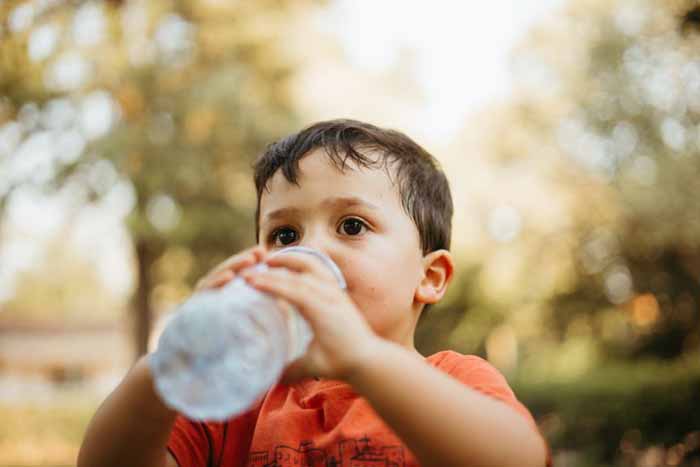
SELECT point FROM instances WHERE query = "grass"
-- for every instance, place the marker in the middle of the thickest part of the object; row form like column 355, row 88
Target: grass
column 37, row 436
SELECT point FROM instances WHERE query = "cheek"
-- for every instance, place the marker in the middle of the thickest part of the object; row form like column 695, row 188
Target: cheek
column 364, row 281
column 373, row 291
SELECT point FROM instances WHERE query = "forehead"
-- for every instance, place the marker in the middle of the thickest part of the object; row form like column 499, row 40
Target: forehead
column 319, row 179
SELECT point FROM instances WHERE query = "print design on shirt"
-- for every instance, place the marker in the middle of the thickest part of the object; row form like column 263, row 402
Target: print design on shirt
column 351, row 453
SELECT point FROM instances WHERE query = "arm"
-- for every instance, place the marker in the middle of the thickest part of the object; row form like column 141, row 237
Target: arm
column 131, row 427
column 440, row 420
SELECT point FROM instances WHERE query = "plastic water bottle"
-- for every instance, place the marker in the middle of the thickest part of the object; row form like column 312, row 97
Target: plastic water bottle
column 223, row 349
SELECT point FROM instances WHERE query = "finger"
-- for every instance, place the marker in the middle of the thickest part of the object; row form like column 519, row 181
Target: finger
column 222, row 279
column 215, row 280
column 294, row 372
column 300, row 263
column 234, row 264
column 259, row 252
column 294, row 288
column 241, row 260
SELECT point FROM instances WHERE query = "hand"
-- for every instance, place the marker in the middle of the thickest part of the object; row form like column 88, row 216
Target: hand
column 342, row 337
column 229, row 268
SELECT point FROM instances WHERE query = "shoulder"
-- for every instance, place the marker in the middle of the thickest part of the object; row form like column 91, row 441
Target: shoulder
column 451, row 361
column 480, row 375
column 473, row 371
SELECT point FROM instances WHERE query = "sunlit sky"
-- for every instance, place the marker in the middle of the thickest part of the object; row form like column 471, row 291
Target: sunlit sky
column 462, row 52
column 463, row 48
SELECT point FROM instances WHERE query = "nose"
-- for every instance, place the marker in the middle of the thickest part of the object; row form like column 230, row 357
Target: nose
column 316, row 238
column 320, row 240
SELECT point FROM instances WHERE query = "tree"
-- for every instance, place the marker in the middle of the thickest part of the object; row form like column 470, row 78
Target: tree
column 166, row 101
column 633, row 83
column 606, row 114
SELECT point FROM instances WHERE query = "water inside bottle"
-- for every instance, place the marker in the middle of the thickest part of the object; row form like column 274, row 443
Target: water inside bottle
column 216, row 358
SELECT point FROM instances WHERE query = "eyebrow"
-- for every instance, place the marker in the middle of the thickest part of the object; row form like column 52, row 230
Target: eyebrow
column 335, row 201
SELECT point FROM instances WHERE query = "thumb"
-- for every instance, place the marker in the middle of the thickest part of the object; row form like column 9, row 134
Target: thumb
column 294, row 372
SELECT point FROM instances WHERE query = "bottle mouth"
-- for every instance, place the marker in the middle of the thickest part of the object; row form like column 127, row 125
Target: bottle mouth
column 323, row 257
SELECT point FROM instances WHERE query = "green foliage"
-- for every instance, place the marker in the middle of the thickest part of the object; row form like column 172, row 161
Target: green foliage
column 65, row 287
column 617, row 404
column 619, row 122
column 193, row 92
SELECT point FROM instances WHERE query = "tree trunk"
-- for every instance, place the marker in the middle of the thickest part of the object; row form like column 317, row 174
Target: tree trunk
column 141, row 309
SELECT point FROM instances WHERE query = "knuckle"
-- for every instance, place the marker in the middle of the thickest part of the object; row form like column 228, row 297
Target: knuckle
column 305, row 288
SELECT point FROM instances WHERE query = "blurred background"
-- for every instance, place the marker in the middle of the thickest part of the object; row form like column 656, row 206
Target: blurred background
column 569, row 130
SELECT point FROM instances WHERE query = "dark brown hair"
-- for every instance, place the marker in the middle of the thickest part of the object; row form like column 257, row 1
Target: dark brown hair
column 423, row 187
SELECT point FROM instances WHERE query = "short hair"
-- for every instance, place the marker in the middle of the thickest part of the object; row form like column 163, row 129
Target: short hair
column 423, row 188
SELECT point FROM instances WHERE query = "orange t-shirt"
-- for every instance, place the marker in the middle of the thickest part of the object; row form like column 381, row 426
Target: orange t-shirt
column 320, row 424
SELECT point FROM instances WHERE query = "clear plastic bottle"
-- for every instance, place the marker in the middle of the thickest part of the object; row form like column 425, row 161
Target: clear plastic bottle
column 223, row 349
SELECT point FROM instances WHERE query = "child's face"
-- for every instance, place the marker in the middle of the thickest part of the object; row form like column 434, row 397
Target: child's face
column 380, row 256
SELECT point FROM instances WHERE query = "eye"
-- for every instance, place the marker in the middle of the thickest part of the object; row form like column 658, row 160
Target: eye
column 285, row 234
column 353, row 225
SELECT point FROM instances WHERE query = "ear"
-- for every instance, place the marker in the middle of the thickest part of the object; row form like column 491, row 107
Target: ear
column 438, row 269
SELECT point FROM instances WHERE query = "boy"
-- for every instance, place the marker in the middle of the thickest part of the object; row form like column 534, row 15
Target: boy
column 378, row 205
